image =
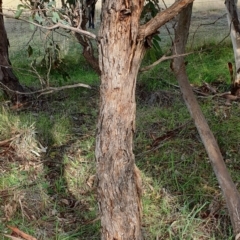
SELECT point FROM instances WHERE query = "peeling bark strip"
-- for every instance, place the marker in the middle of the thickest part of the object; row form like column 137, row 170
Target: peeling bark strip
column 229, row 189
column 233, row 22
column 120, row 54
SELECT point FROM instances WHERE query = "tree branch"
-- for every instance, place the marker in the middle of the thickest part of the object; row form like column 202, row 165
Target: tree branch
column 57, row 25
column 163, row 58
column 161, row 18
column 230, row 192
column 47, row 90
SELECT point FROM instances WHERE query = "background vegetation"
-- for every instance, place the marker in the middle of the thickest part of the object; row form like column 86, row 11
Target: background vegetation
column 47, row 168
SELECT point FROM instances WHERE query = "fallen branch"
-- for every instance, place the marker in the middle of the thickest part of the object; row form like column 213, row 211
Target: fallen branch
column 21, row 233
column 169, row 134
column 7, row 142
column 12, row 237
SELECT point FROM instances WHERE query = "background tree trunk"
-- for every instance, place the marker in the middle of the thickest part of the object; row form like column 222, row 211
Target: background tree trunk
column 7, row 77
column 234, row 25
column 119, row 186
column 229, row 189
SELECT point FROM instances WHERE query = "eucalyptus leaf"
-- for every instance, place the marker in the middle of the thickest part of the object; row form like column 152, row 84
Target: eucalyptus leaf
column 55, row 17
column 156, row 46
column 31, row 25
column 152, row 55
column 52, row 4
column 21, row 6
column 18, row 13
column 157, row 38
column 64, row 22
column 38, row 18
column 30, row 51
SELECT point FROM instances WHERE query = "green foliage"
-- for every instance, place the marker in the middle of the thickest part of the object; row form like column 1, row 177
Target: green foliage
column 19, row 11
column 178, row 182
column 51, row 61
column 31, row 25
column 210, row 63
column 51, row 4
column 207, row 64
column 38, row 18
column 30, row 51
column 55, row 17
column 156, row 44
column 150, row 10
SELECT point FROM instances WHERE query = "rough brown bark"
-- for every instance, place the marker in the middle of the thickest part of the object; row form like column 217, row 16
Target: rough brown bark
column 120, row 53
column 120, row 58
column 162, row 17
column 229, row 190
column 7, row 77
column 88, row 52
column 80, row 21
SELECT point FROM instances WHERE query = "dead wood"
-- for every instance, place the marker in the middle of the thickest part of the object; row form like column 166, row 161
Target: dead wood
column 232, row 196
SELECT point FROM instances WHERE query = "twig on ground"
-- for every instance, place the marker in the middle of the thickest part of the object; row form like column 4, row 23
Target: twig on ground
column 169, row 134
column 162, row 139
column 8, row 141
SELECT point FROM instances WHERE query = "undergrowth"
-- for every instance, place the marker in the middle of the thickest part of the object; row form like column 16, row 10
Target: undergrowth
column 48, row 185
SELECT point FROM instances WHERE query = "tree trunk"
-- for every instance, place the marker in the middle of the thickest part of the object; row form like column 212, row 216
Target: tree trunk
column 88, row 51
column 10, row 83
column 121, row 48
column 234, row 25
column 119, row 183
column 229, row 189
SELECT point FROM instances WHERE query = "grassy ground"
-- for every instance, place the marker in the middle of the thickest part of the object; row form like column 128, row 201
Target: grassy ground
column 47, row 167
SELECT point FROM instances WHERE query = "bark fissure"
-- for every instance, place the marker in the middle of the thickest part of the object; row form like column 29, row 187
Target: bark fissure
column 121, row 215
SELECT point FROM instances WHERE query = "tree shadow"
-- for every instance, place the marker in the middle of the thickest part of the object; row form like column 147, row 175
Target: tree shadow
column 54, row 193
column 74, row 199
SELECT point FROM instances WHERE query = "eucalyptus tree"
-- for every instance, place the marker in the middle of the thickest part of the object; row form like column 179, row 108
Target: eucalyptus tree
column 9, row 82
column 122, row 42
column 234, row 25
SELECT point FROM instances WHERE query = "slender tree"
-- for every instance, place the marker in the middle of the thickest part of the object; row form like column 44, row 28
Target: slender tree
column 234, row 25
column 78, row 14
column 229, row 189
column 9, row 82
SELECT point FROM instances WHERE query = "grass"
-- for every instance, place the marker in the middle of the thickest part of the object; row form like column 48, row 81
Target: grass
column 48, row 187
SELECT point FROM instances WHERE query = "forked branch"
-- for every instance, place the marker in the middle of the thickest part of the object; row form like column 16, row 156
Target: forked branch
column 161, row 18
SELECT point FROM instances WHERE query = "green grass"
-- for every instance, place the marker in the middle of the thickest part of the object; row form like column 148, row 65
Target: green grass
column 208, row 63
column 179, row 185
